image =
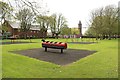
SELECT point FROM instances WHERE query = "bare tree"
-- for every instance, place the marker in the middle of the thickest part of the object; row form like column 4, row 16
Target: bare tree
column 5, row 12
column 44, row 23
column 25, row 16
column 58, row 21
column 19, row 7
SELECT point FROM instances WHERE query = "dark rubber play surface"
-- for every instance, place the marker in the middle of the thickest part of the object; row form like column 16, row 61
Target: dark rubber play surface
column 3, row 43
column 82, row 42
column 55, row 56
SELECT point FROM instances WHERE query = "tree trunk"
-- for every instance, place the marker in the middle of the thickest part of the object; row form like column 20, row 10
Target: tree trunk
column 109, row 38
column 25, row 35
column 57, row 36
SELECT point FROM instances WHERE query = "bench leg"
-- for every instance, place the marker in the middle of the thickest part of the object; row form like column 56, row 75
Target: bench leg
column 61, row 50
column 45, row 49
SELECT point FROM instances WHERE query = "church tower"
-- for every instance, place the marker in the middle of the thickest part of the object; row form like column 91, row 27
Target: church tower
column 80, row 28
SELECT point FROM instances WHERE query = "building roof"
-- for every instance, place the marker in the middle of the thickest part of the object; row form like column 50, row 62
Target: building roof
column 14, row 24
column 35, row 27
column 17, row 25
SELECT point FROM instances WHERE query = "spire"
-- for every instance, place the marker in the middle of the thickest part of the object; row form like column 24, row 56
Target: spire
column 80, row 28
column 79, row 22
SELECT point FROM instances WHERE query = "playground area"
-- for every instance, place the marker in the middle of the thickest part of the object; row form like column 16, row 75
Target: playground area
column 4, row 43
column 82, row 42
column 41, row 39
column 79, row 60
column 54, row 55
column 16, row 42
column 67, row 40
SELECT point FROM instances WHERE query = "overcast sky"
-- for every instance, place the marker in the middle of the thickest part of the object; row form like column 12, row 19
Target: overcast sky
column 75, row 10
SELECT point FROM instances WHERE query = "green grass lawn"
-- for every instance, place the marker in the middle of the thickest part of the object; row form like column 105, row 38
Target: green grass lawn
column 102, row 64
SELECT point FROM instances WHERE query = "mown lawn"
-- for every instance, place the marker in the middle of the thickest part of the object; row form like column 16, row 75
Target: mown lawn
column 102, row 64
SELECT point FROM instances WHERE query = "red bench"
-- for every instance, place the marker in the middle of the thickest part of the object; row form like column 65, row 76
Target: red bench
column 55, row 45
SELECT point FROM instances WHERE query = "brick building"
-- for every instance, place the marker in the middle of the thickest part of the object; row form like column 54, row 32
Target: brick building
column 14, row 29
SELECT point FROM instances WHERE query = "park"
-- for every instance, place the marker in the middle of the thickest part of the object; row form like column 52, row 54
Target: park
column 103, row 63
column 42, row 46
